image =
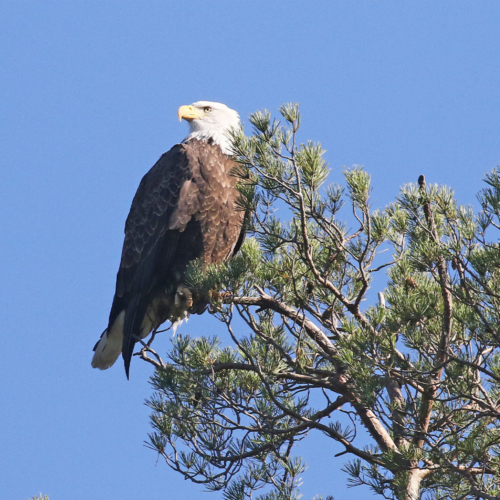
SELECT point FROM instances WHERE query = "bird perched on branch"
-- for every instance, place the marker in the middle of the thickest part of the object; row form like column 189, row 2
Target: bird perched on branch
column 185, row 208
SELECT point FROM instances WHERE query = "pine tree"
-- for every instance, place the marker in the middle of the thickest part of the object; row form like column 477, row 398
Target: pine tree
column 418, row 370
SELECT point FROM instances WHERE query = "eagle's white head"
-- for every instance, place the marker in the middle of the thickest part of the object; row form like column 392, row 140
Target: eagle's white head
column 210, row 120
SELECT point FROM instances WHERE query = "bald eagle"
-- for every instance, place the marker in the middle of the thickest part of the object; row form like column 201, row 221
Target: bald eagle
column 185, row 208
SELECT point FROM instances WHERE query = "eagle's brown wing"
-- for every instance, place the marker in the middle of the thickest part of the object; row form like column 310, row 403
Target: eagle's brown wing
column 149, row 244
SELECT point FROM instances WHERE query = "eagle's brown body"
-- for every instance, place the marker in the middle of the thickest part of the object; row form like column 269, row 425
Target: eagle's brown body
column 185, row 208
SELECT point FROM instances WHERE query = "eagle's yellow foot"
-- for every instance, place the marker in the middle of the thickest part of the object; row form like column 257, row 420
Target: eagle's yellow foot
column 215, row 295
column 183, row 297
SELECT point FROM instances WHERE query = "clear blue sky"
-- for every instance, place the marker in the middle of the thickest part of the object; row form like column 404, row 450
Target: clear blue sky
column 89, row 93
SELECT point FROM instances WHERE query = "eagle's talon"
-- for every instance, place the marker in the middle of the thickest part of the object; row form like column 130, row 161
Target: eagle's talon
column 183, row 297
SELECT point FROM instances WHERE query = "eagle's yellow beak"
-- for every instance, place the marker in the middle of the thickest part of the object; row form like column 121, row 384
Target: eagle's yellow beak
column 189, row 113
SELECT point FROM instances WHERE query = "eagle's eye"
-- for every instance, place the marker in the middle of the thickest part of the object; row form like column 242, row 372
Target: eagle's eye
column 207, row 109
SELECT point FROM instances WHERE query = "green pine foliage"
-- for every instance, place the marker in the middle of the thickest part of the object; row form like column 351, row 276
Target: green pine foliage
column 306, row 343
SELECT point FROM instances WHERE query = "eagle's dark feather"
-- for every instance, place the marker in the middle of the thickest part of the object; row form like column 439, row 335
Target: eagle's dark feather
column 185, row 208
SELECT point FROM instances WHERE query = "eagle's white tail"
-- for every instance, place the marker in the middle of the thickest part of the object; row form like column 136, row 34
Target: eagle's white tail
column 109, row 346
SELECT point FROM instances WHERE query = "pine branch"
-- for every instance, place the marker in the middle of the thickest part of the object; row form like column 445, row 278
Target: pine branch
column 429, row 394
column 339, row 381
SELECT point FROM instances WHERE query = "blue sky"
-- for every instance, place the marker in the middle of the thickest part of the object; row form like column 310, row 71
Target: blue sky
column 89, row 98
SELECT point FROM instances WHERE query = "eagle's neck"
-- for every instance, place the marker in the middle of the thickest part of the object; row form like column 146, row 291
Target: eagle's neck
column 218, row 136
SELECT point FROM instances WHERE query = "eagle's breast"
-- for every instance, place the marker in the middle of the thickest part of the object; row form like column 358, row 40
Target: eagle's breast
column 219, row 219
